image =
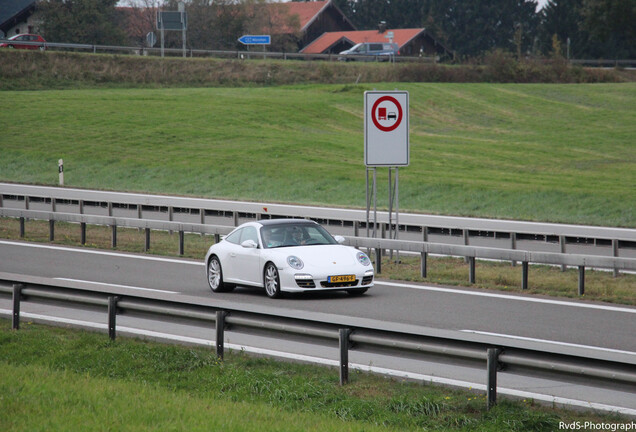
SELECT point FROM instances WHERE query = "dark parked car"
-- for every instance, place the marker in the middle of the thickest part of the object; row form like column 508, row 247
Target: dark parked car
column 15, row 42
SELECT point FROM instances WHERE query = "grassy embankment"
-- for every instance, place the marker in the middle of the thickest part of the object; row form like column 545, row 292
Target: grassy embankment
column 558, row 153
column 61, row 380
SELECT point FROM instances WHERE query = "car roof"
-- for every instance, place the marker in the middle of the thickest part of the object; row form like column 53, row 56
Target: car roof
column 266, row 222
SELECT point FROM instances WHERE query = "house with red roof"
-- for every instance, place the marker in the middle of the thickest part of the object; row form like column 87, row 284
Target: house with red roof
column 411, row 42
column 305, row 21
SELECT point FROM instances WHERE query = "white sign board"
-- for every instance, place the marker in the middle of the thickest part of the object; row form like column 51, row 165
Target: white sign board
column 386, row 128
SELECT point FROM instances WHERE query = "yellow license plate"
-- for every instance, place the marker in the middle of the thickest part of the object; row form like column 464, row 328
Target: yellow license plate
column 344, row 278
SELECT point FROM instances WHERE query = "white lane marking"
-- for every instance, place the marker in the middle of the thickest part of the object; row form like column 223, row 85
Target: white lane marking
column 328, row 362
column 98, row 252
column 116, row 285
column 546, row 341
column 509, row 297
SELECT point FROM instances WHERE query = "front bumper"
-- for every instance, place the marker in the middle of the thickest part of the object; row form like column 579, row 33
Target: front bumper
column 299, row 281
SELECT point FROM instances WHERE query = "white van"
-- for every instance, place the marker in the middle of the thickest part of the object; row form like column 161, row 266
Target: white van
column 370, row 51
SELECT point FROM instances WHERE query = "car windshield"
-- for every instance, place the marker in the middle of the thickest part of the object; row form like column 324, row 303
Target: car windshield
column 289, row 235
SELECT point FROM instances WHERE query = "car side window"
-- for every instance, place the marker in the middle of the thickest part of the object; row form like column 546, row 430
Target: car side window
column 375, row 47
column 249, row 233
column 235, row 237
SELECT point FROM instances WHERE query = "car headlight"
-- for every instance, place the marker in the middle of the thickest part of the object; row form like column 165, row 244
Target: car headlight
column 295, row 262
column 363, row 259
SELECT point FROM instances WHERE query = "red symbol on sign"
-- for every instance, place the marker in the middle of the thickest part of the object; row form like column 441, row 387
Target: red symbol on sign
column 380, row 113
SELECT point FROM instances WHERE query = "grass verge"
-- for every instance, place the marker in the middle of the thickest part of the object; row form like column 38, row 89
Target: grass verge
column 57, row 379
column 543, row 280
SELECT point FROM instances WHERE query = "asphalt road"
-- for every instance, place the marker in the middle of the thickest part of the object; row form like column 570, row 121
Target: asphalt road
column 557, row 322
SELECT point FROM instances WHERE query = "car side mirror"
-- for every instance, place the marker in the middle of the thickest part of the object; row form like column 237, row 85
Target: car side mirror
column 339, row 239
column 249, row 244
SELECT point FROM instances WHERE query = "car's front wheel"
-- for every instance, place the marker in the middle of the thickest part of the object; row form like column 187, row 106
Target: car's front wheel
column 215, row 276
column 271, row 280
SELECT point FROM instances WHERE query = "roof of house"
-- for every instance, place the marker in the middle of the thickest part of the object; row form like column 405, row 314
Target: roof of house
column 10, row 9
column 307, row 12
column 400, row 37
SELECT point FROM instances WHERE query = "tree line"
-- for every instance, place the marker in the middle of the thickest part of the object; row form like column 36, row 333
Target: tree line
column 584, row 29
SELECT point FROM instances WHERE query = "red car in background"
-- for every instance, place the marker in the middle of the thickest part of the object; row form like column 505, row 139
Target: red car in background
column 15, row 42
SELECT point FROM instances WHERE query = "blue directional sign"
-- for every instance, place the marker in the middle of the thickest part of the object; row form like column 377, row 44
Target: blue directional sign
column 255, row 39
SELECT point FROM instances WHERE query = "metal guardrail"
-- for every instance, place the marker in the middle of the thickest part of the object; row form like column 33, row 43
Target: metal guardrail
column 190, row 52
column 351, row 333
column 378, row 245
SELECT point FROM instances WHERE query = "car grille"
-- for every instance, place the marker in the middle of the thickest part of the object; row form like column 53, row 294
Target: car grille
column 367, row 280
column 339, row 284
column 305, row 283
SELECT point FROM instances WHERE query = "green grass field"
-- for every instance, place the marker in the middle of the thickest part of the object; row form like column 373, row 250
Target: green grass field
column 64, row 380
column 544, row 152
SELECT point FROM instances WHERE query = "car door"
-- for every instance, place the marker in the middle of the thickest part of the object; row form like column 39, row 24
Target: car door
column 247, row 259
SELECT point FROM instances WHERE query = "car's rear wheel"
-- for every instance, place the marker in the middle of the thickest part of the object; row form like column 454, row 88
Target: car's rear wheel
column 357, row 291
column 271, row 280
column 215, row 276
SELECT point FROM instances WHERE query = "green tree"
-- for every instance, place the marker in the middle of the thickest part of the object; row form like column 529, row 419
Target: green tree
column 474, row 27
column 563, row 19
column 82, row 21
column 612, row 26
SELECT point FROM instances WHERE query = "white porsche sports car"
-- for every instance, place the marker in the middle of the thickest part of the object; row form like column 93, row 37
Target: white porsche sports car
column 291, row 255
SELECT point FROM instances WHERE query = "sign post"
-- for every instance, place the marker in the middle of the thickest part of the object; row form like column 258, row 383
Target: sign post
column 171, row 20
column 248, row 40
column 386, row 144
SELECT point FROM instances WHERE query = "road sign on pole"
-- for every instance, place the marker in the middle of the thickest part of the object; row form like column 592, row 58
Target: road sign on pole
column 255, row 40
column 386, row 128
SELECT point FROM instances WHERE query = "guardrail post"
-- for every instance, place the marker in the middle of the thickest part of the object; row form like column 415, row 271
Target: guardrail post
column 513, row 245
column 356, row 228
column 114, row 236
column 220, row 330
column 22, row 227
column 423, row 264
column 147, row 242
column 562, row 248
column 51, row 230
column 465, row 236
column 378, row 260
column 615, row 253
column 170, row 217
column 344, row 344
column 524, row 275
column 17, row 297
column 235, row 218
column 83, row 231
column 471, row 269
column 112, row 317
column 581, row 280
column 181, row 241
column 217, row 238
column 492, row 366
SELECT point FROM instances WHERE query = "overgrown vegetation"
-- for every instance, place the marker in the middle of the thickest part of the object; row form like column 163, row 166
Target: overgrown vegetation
column 56, row 380
column 21, row 70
